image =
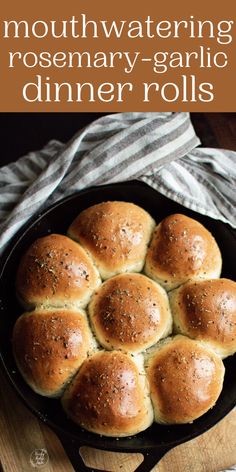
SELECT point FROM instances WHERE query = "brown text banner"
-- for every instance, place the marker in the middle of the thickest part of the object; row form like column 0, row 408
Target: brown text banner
column 106, row 56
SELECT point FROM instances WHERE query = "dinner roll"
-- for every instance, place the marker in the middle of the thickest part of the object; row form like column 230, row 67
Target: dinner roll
column 185, row 379
column 206, row 310
column 116, row 234
column 109, row 395
column 49, row 346
column 56, row 271
column 130, row 312
column 182, row 249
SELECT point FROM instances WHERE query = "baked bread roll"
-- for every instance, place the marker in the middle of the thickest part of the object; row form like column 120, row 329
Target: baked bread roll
column 49, row 346
column 116, row 234
column 109, row 395
column 130, row 312
column 206, row 311
column 56, row 271
column 182, row 249
column 185, row 378
column 56, row 346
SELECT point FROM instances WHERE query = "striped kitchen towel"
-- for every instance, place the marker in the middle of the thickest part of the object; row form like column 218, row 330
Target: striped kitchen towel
column 156, row 148
column 233, row 468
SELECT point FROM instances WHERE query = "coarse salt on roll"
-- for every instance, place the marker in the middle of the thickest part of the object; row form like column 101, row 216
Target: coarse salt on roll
column 185, row 379
column 49, row 346
column 182, row 249
column 206, row 310
column 116, row 234
column 56, row 271
column 109, row 395
column 130, row 312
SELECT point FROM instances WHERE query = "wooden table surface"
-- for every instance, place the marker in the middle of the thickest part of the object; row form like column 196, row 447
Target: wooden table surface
column 21, row 433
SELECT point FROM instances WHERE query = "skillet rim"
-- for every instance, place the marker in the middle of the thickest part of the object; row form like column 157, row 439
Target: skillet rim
column 91, row 439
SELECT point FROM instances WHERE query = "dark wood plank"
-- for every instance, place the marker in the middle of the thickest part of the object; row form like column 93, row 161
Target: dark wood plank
column 216, row 129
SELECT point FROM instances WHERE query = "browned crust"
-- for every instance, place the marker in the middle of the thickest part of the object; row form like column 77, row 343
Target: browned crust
column 55, row 270
column 115, row 233
column 49, row 346
column 130, row 312
column 106, row 397
column 182, row 249
column 185, row 380
column 206, row 310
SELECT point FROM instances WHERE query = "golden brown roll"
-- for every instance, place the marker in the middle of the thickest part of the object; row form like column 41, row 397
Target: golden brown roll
column 116, row 234
column 182, row 249
column 206, row 311
column 49, row 346
column 130, row 312
column 185, row 378
column 56, row 271
column 109, row 395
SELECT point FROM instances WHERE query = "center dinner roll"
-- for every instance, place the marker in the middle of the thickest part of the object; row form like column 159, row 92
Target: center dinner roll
column 49, row 346
column 130, row 312
column 206, row 310
column 56, row 271
column 116, row 234
column 109, row 395
column 185, row 378
column 182, row 249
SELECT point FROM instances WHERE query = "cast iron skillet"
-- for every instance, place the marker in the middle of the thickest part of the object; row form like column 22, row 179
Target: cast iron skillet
column 158, row 439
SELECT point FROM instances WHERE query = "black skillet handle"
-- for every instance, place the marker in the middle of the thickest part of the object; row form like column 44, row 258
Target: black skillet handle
column 72, row 450
column 151, row 459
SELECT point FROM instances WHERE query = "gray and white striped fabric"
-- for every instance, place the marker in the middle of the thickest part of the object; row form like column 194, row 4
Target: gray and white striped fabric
column 233, row 468
column 157, row 148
